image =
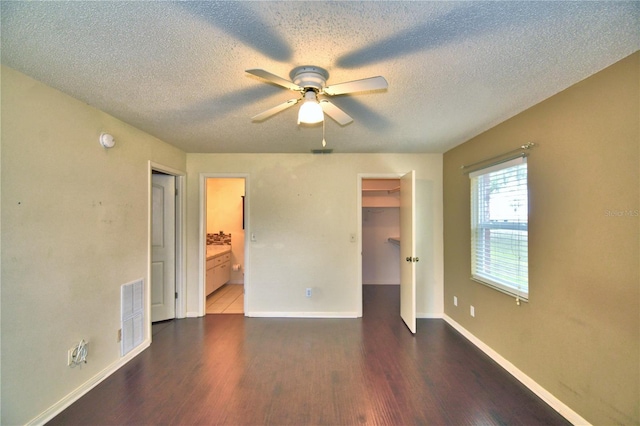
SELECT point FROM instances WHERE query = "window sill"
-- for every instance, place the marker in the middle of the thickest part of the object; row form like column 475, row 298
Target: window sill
column 518, row 297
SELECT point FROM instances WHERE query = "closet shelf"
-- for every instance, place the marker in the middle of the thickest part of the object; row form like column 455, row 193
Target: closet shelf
column 387, row 190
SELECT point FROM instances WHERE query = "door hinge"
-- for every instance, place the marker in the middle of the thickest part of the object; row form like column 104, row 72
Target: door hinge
column 176, row 192
column 176, row 294
column 412, row 259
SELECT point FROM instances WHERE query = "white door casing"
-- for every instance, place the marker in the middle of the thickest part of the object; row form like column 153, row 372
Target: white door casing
column 408, row 257
column 163, row 247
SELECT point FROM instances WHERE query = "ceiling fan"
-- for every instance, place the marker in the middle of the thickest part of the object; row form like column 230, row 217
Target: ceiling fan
column 311, row 81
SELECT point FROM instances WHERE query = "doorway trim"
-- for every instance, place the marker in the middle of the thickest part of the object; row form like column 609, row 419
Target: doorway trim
column 202, row 240
column 180, row 257
column 361, row 177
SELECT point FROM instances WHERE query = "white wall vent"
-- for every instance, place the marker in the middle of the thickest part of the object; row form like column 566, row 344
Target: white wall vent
column 132, row 310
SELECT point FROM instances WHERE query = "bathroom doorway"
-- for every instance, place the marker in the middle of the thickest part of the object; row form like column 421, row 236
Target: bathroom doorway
column 224, row 254
column 240, row 250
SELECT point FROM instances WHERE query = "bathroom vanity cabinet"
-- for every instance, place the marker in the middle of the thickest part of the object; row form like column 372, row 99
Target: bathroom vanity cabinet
column 218, row 267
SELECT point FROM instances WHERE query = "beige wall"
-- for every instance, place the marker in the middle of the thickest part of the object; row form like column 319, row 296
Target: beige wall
column 74, row 221
column 224, row 213
column 579, row 335
column 302, row 209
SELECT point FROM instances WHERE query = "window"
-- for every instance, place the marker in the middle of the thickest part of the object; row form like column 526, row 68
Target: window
column 499, row 227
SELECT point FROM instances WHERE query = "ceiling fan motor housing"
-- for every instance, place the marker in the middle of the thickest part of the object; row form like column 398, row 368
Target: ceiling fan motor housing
column 310, row 77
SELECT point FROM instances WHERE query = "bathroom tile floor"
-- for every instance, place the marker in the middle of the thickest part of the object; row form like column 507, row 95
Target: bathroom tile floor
column 228, row 299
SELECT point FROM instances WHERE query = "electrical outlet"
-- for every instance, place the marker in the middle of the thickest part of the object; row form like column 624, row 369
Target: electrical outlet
column 353, row 238
column 70, row 355
column 472, row 311
column 308, row 292
column 253, row 237
column 455, row 301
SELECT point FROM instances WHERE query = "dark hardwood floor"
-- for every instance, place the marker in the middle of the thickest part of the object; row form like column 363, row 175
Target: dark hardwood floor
column 232, row 370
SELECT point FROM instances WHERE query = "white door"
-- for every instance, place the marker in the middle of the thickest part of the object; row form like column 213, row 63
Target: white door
column 408, row 257
column 163, row 247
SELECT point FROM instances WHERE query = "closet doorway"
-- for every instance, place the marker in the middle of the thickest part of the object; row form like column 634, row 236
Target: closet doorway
column 382, row 232
column 380, row 238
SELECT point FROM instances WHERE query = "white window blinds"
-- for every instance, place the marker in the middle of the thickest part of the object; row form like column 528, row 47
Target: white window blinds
column 499, row 227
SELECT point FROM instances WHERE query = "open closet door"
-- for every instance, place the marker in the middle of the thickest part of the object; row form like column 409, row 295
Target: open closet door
column 163, row 247
column 408, row 256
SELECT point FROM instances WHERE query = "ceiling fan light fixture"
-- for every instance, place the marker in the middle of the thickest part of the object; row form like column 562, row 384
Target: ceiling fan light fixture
column 310, row 111
column 311, row 81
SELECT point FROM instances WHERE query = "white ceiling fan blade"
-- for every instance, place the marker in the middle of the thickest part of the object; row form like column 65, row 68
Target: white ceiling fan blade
column 335, row 113
column 276, row 109
column 274, row 79
column 371, row 83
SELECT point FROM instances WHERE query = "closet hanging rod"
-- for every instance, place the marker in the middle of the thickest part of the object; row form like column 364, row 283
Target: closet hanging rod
column 387, row 190
column 501, row 158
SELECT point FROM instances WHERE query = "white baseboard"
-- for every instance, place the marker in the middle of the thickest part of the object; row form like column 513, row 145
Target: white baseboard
column 544, row 394
column 302, row 314
column 326, row 315
column 77, row 393
column 422, row 315
column 192, row 315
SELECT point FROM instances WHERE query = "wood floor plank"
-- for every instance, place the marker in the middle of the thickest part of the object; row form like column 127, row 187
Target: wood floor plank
column 232, row 370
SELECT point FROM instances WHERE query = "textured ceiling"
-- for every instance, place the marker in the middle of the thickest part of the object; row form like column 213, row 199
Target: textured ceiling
column 176, row 69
